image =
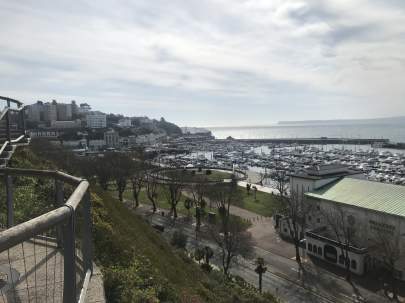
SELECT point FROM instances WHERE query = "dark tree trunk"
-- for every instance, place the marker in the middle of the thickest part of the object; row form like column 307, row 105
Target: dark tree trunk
column 297, row 253
column 174, row 211
column 260, row 283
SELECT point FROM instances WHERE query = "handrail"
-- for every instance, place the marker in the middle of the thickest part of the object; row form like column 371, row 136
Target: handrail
column 19, row 103
column 25, row 231
column 61, row 218
column 44, row 173
column 18, row 139
column 3, row 147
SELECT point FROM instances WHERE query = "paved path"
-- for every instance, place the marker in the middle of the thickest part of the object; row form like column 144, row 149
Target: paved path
column 33, row 272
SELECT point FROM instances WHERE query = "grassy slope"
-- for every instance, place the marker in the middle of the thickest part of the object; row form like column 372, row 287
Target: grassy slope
column 138, row 266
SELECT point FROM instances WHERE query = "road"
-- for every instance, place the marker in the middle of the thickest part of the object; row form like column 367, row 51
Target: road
column 281, row 279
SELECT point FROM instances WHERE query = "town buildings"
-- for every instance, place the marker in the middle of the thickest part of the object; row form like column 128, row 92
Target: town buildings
column 350, row 221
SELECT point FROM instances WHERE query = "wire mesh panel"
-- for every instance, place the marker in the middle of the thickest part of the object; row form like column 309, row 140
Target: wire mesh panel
column 32, row 271
column 52, row 265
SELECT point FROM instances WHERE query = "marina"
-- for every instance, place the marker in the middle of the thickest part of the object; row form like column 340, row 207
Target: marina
column 376, row 163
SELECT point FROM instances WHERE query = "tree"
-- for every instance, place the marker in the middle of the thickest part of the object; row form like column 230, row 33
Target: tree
column 260, row 270
column 208, row 254
column 280, row 183
column 121, row 169
column 172, row 189
column 262, row 176
column 229, row 232
column 248, row 186
column 102, row 171
column 295, row 211
column 151, row 191
column 387, row 248
column 198, row 190
column 188, row 204
column 137, row 181
column 255, row 192
column 343, row 230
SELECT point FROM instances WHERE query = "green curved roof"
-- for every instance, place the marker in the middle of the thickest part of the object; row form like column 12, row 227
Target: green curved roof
column 381, row 197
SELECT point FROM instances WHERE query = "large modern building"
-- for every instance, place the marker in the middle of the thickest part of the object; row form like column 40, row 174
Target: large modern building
column 64, row 111
column 96, row 120
column 350, row 220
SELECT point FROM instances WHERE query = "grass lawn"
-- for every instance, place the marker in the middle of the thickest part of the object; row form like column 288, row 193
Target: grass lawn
column 161, row 198
column 264, row 205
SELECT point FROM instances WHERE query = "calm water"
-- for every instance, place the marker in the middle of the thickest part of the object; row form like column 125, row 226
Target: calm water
column 396, row 133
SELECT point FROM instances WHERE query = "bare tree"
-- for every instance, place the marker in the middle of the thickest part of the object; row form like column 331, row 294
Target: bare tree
column 137, row 181
column 199, row 190
column 121, row 165
column 229, row 233
column 343, row 231
column 387, row 249
column 280, row 183
column 262, row 176
column 151, row 190
column 295, row 210
column 172, row 189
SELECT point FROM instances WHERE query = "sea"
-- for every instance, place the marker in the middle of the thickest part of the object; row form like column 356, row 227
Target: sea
column 395, row 132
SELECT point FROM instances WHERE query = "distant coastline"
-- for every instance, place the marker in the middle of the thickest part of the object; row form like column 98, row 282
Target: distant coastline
column 374, row 121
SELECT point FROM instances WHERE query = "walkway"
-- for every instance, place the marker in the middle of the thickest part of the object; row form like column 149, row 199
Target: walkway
column 33, row 272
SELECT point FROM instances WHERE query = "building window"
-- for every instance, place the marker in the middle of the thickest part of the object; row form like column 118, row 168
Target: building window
column 315, row 249
column 285, row 230
column 354, row 264
column 318, row 220
column 309, row 246
column 309, row 218
column 341, row 259
column 318, row 207
column 320, row 251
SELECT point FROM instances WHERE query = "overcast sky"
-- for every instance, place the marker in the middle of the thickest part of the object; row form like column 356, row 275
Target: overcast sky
column 209, row 63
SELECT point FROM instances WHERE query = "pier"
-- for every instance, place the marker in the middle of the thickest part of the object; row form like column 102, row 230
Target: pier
column 322, row 140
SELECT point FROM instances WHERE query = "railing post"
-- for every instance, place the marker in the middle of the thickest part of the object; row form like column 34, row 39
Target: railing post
column 87, row 246
column 9, row 194
column 69, row 262
column 22, row 113
column 59, row 200
column 8, row 122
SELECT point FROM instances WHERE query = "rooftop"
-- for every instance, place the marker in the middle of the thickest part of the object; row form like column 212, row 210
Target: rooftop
column 325, row 171
column 381, row 197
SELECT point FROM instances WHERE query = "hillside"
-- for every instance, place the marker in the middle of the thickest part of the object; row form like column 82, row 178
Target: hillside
column 137, row 264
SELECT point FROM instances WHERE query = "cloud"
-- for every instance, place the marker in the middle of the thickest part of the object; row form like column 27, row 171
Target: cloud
column 196, row 61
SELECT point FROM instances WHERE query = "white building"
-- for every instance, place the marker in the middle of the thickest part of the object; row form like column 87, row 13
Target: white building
column 350, row 215
column 126, row 122
column 96, row 120
column 373, row 212
column 111, row 138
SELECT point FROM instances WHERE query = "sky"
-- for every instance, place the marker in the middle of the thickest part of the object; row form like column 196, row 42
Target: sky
column 206, row 62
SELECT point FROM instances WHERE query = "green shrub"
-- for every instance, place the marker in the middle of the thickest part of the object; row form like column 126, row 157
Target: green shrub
column 179, row 239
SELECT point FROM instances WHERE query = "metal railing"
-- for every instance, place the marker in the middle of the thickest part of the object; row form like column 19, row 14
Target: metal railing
column 68, row 225
column 13, row 114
